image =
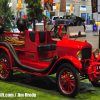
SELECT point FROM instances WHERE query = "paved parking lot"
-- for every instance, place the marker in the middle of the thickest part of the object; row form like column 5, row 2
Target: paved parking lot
column 91, row 37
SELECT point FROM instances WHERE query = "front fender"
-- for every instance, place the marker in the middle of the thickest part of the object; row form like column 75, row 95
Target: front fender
column 72, row 59
column 7, row 51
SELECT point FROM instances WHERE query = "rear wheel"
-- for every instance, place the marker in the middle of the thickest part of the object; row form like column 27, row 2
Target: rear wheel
column 5, row 69
column 68, row 80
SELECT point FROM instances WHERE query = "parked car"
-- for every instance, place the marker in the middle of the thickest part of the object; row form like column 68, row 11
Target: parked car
column 69, row 17
column 36, row 53
column 54, row 18
column 75, row 20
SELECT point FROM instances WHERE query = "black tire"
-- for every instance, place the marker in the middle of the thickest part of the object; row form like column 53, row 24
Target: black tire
column 72, row 81
column 5, row 70
column 96, row 84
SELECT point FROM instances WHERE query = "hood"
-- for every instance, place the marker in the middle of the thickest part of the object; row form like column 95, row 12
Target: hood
column 70, row 47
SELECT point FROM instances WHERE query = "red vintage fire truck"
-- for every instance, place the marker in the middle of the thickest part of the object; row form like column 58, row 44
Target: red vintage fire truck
column 36, row 53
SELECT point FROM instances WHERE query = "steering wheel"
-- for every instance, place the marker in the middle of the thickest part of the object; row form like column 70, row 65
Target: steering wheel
column 55, row 30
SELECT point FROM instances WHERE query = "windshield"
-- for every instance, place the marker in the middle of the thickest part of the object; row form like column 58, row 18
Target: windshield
column 69, row 17
column 55, row 18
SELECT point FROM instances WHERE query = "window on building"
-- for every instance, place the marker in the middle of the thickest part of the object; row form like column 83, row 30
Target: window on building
column 21, row 0
column 54, row 4
column 82, row 7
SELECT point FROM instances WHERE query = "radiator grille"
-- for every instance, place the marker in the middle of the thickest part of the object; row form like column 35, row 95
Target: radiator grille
column 86, row 53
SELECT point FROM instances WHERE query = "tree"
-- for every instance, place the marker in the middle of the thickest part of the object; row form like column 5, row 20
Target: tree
column 34, row 6
column 5, row 11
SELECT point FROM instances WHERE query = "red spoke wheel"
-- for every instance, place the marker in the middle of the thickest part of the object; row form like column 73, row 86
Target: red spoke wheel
column 5, row 69
column 68, row 80
column 96, row 82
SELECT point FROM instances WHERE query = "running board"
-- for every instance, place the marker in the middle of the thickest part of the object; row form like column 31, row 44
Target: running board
column 46, row 60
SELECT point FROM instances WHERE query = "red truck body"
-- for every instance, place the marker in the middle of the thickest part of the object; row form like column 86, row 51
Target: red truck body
column 41, row 55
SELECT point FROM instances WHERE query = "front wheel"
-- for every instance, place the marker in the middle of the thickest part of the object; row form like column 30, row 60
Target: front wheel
column 68, row 80
column 5, row 69
column 96, row 83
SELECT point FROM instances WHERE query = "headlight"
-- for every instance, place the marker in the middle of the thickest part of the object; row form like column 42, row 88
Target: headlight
column 79, row 55
column 96, row 53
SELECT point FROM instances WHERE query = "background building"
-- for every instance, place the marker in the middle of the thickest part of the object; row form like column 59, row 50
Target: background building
column 80, row 7
column 14, row 8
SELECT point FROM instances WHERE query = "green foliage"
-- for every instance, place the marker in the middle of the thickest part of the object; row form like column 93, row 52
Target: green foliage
column 34, row 6
column 45, row 16
column 5, row 11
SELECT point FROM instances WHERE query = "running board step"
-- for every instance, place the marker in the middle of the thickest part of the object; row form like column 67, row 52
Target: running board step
column 46, row 60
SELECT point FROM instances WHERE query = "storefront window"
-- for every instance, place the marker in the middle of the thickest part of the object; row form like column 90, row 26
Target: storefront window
column 82, row 8
column 54, row 4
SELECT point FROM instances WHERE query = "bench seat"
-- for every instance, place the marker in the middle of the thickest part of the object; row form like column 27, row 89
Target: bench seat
column 46, row 47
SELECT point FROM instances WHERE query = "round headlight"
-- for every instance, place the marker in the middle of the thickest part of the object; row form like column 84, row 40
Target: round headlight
column 79, row 55
column 96, row 53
